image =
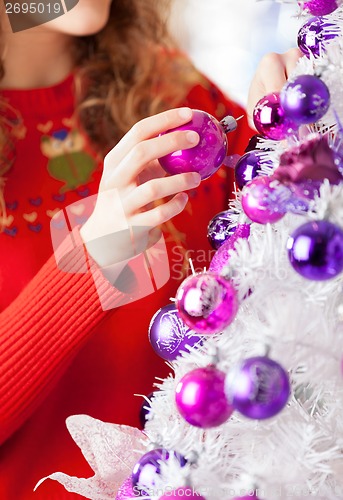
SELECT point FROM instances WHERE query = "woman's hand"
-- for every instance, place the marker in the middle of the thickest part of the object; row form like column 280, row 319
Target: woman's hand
column 271, row 75
column 124, row 218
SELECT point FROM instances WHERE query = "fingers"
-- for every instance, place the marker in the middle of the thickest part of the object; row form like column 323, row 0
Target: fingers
column 162, row 213
column 290, row 58
column 271, row 75
column 157, row 189
column 152, row 171
column 146, row 129
column 145, row 152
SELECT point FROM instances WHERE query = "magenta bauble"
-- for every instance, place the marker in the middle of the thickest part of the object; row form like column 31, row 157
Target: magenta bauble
column 270, row 119
column 260, row 200
column 222, row 255
column 206, row 302
column 320, row 7
column 207, row 156
column 200, row 398
column 125, row 491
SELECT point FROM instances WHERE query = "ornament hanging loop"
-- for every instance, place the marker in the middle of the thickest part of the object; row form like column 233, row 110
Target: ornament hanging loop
column 229, row 123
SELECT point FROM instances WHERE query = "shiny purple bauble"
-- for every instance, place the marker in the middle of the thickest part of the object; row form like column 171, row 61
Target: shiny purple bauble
column 169, row 336
column 259, row 200
column 183, row 492
column 320, row 7
column 305, row 99
column 200, row 398
column 315, row 250
column 125, row 491
column 206, row 302
column 222, row 255
column 220, row 229
column 270, row 119
column 314, row 35
column 258, row 388
column 207, row 156
column 144, row 473
column 247, row 168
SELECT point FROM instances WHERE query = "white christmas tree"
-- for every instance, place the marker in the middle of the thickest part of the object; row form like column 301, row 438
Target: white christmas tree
column 271, row 424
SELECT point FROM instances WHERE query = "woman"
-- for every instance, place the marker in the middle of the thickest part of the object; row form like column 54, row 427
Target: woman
column 61, row 352
column 66, row 347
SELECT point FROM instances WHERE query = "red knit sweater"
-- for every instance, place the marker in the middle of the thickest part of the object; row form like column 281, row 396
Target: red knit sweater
column 60, row 353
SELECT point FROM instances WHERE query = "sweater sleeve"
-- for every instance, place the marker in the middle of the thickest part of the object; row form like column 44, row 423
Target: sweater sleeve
column 43, row 329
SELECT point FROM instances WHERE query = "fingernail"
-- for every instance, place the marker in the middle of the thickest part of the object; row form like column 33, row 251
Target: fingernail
column 196, row 178
column 192, row 137
column 183, row 198
column 185, row 113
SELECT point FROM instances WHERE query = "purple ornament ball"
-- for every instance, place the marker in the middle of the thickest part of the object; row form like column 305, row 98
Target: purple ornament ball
column 247, row 168
column 320, row 7
column 258, row 388
column 143, row 477
column 200, row 398
column 183, row 492
column 222, row 255
column 206, row 302
column 315, row 250
column 305, row 99
column 270, row 119
column 207, row 156
column 220, row 229
column 168, row 334
column 259, row 200
column 314, row 35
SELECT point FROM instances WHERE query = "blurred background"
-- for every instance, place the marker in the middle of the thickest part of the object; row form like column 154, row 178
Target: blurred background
column 225, row 39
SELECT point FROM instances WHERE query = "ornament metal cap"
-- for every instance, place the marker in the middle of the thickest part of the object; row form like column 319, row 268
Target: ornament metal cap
column 229, row 123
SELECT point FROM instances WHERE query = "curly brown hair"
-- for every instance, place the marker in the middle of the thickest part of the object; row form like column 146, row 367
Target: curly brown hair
column 127, row 71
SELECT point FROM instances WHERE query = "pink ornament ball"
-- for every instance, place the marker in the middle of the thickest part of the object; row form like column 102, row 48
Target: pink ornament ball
column 207, row 303
column 125, row 491
column 270, row 119
column 259, row 200
column 183, row 492
column 207, row 156
column 222, row 256
column 320, row 7
column 200, row 398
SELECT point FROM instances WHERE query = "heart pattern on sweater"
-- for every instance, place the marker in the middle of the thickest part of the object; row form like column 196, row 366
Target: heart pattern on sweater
column 30, row 217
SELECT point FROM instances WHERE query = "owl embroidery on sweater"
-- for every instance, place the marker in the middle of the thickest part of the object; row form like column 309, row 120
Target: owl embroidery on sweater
column 68, row 162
